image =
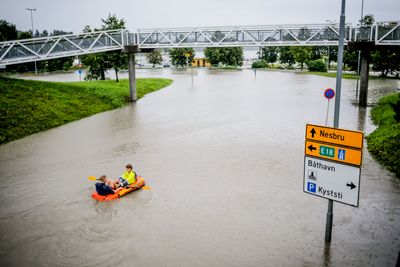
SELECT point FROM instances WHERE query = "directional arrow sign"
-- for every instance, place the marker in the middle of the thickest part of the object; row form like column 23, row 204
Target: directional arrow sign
column 331, row 180
column 333, row 152
column 335, row 136
column 351, row 185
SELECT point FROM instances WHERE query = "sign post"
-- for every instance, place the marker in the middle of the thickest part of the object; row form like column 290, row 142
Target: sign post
column 332, row 162
column 329, row 215
column 329, row 94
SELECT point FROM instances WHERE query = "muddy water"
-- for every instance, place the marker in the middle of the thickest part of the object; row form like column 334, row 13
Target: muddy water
column 224, row 159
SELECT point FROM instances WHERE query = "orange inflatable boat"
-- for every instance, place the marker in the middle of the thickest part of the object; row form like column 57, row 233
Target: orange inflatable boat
column 120, row 192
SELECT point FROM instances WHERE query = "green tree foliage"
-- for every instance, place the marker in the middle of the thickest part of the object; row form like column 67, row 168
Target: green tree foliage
column 286, row 56
column 332, row 54
column 301, row 54
column 386, row 61
column 228, row 56
column 24, row 35
column 154, row 57
column 316, row 65
column 350, row 59
column 99, row 63
column 8, row 31
column 270, row 54
column 177, row 56
column 318, row 52
column 368, row 20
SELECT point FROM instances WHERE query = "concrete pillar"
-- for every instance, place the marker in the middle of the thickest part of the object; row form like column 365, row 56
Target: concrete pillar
column 132, row 77
column 364, row 73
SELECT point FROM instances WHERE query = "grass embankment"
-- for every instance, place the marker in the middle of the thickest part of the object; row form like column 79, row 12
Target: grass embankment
column 28, row 107
column 384, row 142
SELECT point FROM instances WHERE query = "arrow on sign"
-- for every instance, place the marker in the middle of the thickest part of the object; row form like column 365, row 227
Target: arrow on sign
column 313, row 132
column 351, row 185
column 311, row 147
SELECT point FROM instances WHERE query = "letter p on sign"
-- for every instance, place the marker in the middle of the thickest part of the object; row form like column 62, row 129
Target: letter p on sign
column 311, row 187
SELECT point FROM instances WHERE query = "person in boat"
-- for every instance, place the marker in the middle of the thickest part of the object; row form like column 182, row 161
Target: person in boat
column 105, row 186
column 127, row 178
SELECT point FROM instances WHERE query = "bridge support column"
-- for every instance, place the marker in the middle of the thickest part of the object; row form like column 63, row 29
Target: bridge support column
column 364, row 73
column 132, row 78
column 131, row 50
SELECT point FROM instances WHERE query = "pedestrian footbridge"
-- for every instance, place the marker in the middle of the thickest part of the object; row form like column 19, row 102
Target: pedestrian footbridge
column 45, row 48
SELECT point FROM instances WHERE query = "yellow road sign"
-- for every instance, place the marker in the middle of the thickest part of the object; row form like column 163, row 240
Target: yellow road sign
column 187, row 55
column 333, row 152
column 335, row 136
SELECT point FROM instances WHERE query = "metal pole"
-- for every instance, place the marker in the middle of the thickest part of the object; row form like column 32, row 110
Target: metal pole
column 327, row 112
column 359, row 52
column 31, row 10
column 329, row 214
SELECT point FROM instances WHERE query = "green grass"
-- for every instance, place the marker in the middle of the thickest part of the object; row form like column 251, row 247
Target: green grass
column 28, row 107
column 384, row 142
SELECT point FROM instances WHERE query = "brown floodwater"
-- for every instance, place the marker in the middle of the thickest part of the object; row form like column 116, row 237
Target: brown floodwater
column 224, row 160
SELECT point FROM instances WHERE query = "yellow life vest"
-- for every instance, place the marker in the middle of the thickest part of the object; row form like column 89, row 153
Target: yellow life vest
column 130, row 177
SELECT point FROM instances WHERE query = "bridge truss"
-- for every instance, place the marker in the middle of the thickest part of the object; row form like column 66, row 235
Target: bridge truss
column 45, row 48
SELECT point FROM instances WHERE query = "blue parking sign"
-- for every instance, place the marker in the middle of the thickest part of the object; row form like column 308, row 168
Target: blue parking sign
column 311, row 187
column 342, row 154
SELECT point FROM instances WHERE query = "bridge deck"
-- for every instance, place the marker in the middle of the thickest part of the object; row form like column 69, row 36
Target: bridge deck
column 36, row 49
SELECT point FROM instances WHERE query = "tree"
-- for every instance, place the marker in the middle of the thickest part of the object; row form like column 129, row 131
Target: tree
column 24, row 35
column 301, row 54
column 269, row 54
column 8, row 31
column 332, row 55
column 387, row 61
column 229, row 56
column 368, row 20
column 350, row 59
column 318, row 52
column 154, row 57
column 286, row 56
column 178, row 58
column 116, row 60
column 99, row 63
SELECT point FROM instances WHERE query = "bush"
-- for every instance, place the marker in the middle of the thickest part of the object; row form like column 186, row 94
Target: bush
column 317, row 65
column 259, row 64
column 384, row 142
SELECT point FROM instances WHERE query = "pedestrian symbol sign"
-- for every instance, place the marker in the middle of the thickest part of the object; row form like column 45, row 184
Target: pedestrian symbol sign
column 342, row 154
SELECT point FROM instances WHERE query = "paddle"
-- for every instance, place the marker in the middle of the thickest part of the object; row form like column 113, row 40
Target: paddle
column 92, row 178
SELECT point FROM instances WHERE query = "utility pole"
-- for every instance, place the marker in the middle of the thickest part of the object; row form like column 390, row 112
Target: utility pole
column 359, row 51
column 329, row 215
column 31, row 10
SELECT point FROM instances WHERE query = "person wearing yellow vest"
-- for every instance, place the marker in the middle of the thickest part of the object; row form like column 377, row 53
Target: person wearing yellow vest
column 127, row 178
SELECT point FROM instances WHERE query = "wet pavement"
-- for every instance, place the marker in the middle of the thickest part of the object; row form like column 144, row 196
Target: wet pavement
column 224, row 159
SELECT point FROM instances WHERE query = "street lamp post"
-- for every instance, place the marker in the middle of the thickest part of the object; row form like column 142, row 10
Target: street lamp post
column 31, row 10
column 359, row 51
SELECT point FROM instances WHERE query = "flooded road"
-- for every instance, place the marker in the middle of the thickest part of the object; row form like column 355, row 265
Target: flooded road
column 224, row 159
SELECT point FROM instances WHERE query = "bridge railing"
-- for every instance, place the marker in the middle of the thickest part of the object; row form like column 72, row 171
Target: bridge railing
column 44, row 48
column 387, row 33
column 271, row 35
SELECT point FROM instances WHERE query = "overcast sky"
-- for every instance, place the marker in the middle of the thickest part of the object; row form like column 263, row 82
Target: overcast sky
column 73, row 15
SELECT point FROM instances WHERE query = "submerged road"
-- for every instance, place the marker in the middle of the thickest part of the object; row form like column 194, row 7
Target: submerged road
column 224, row 159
